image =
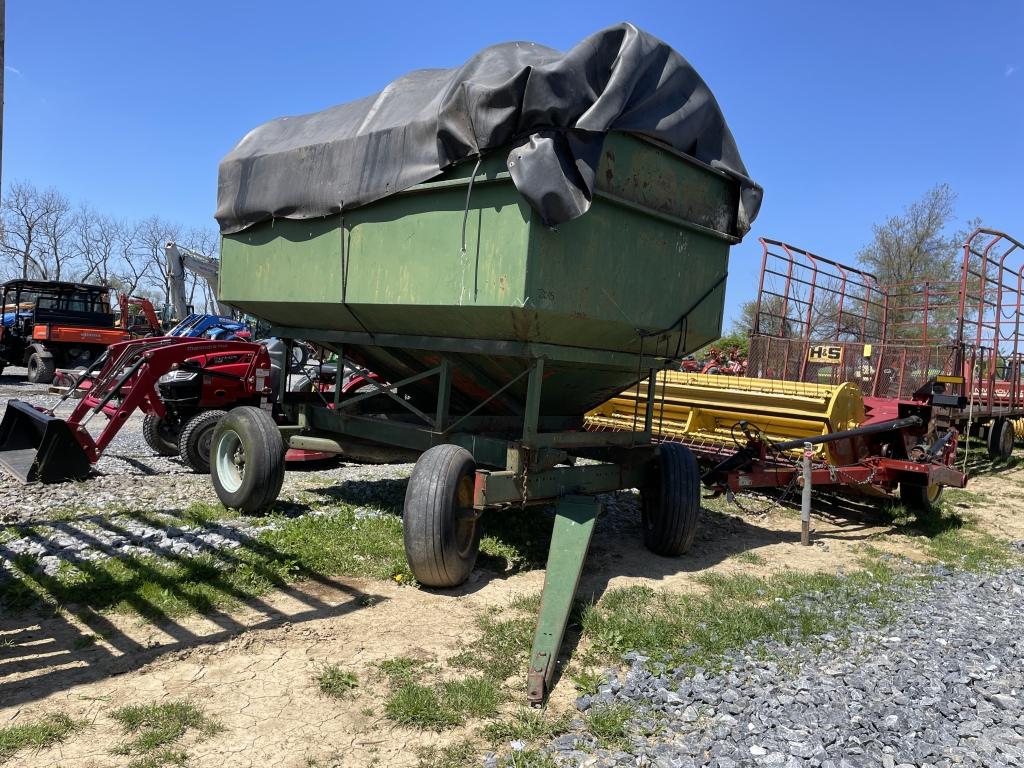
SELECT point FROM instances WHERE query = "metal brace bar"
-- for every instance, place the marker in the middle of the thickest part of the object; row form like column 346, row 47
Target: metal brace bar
column 570, row 539
column 532, row 415
column 494, row 395
column 444, row 395
column 651, row 390
column 380, row 389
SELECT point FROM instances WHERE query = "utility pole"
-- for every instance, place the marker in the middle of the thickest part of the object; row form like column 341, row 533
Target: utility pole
column 3, row 32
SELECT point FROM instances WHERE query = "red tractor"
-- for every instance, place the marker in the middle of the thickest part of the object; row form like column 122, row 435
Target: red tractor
column 183, row 386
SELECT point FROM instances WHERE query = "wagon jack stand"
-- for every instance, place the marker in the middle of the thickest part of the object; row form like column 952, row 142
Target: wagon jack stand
column 570, row 539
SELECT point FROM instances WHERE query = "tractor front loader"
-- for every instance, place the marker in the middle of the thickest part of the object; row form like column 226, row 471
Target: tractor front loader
column 183, row 386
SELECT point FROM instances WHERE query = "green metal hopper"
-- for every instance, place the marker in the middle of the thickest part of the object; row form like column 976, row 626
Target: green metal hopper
column 462, row 266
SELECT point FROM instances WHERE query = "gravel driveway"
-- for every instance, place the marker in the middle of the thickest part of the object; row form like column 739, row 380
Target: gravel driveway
column 131, row 475
column 942, row 685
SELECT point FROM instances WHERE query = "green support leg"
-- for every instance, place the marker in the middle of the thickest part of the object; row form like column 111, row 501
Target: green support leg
column 574, row 524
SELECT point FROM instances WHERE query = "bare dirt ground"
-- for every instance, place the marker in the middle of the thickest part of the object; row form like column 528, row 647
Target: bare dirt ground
column 254, row 669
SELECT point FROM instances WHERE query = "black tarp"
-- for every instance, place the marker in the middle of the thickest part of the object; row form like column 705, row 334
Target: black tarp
column 554, row 107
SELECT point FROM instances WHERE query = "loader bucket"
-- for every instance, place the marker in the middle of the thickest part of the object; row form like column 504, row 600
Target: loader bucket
column 37, row 446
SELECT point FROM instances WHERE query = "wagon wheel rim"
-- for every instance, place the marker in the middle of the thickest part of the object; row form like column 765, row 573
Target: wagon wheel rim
column 465, row 517
column 1007, row 439
column 205, row 441
column 230, row 461
column 933, row 492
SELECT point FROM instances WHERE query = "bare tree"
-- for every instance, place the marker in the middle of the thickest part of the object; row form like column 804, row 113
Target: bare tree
column 23, row 212
column 96, row 244
column 55, row 254
column 153, row 234
column 133, row 265
column 43, row 236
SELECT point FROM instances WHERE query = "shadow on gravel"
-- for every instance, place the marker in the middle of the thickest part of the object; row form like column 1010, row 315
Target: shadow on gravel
column 386, row 494
column 163, row 573
column 141, row 466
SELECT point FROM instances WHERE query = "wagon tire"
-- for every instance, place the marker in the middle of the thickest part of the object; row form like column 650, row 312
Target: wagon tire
column 441, row 528
column 247, row 460
column 921, row 499
column 1000, row 439
column 159, row 435
column 40, row 369
column 670, row 501
column 196, row 439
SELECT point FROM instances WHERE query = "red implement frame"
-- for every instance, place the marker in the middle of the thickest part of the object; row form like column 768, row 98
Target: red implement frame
column 127, row 380
column 890, row 340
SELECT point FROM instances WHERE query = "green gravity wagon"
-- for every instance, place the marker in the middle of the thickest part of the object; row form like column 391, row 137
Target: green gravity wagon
column 505, row 246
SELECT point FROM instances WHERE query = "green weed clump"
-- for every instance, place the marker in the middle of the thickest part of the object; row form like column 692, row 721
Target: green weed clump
column 39, row 734
column 156, row 729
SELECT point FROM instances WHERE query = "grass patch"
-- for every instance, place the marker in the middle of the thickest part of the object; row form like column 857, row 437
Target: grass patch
column 156, row 727
column 420, row 706
column 402, row 669
column 972, row 550
column 45, row 732
column 528, row 725
column 698, row 630
column 343, row 544
column 608, row 724
column 456, row 755
column 335, row 681
column 588, row 681
column 963, row 496
column 528, row 758
column 751, row 558
column 200, row 513
column 502, row 648
column 953, row 537
column 159, row 587
column 443, row 705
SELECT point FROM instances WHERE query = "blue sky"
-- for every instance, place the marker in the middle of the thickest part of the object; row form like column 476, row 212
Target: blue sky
column 844, row 112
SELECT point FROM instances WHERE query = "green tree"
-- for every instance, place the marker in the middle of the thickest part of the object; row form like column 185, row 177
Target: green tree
column 913, row 249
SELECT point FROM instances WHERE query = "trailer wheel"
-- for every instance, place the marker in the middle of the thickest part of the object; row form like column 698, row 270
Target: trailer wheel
column 159, row 435
column 40, row 369
column 247, row 460
column 441, row 530
column 670, row 504
column 1000, row 439
column 921, row 498
column 196, row 438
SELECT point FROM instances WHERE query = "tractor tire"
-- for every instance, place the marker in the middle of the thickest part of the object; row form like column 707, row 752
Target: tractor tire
column 40, row 369
column 441, row 529
column 196, row 438
column 247, row 460
column 921, row 499
column 670, row 503
column 158, row 436
column 1000, row 439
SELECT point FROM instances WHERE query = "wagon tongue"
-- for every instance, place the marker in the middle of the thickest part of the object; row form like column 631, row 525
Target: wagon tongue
column 37, row 446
